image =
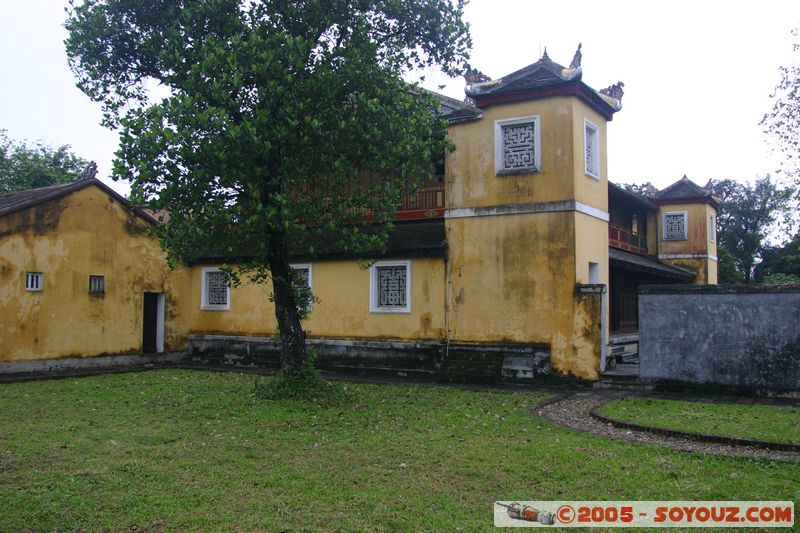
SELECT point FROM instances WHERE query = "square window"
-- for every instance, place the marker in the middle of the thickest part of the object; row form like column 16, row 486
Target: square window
column 33, row 281
column 305, row 276
column 216, row 294
column 97, row 284
column 675, row 226
column 591, row 141
column 390, row 287
column 517, row 146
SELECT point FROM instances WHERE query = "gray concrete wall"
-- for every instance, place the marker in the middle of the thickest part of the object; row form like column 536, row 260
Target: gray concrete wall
column 721, row 335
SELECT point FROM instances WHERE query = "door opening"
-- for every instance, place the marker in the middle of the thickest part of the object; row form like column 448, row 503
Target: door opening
column 153, row 323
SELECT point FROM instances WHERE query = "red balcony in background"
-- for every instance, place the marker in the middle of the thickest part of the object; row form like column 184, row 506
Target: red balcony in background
column 625, row 239
column 428, row 202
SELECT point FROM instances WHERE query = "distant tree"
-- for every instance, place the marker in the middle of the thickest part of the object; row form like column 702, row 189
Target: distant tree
column 782, row 122
column 727, row 273
column 747, row 215
column 28, row 167
column 780, row 262
column 284, row 119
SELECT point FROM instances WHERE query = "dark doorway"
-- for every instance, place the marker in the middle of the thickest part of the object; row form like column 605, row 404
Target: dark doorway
column 153, row 323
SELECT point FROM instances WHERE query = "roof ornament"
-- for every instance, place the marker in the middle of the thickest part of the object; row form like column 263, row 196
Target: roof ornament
column 613, row 95
column 90, row 172
column 473, row 75
column 576, row 59
column 544, row 55
column 574, row 70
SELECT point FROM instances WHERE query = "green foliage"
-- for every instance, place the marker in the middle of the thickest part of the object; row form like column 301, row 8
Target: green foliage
column 747, row 215
column 303, row 384
column 782, row 122
column 27, row 167
column 285, row 121
column 726, row 267
column 780, row 262
column 782, row 279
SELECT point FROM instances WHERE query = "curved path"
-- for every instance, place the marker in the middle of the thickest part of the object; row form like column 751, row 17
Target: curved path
column 574, row 411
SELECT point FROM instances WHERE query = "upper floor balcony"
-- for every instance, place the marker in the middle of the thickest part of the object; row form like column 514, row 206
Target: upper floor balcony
column 626, row 239
column 428, row 202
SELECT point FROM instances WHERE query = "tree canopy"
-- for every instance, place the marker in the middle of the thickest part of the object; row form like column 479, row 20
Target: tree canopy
column 747, row 215
column 284, row 119
column 23, row 166
column 782, row 122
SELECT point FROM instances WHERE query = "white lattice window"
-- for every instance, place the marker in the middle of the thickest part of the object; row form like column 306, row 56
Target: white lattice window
column 33, row 281
column 305, row 276
column 712, row 228
column 675, row 226
column 390, row 287
column 517, row 145
column 591, row 143
column 216, row 293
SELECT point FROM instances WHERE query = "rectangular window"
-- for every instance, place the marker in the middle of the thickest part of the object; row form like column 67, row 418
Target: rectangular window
column 97, row 284
column 33, row 281
column 712, row 228
column 675, row 226
column 216, row 294
column 390, row 287
column 305, row 276
column 594, row 272
column 517, row 145
column 591, row 142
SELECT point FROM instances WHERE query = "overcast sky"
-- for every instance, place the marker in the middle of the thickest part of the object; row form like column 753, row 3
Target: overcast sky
column 697, row 74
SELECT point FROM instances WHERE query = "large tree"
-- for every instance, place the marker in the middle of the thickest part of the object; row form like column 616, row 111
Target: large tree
column 748, row 214
column 283, row 119
column 23, row 166
column 782, row 122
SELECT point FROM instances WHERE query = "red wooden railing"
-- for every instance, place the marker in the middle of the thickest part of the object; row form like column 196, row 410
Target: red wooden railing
column 625, row 239
column 428, row 202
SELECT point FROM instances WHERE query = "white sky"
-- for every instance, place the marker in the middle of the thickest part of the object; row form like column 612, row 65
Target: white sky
column 697, row 76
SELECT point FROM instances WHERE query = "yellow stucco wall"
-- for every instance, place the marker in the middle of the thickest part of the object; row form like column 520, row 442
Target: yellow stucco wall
column 67, row 239
column 343, row 309
column 698, row 242
column 588, row 190
column 471, row 180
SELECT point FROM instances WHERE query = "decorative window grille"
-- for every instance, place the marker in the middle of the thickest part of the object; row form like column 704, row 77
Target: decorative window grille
column 33, row 281
column 216, row 292
column 675, row 226
column 517, row 145
column 390, row 287
column 97, row 284
column 303, row 272
column 592, row 149
column 712, row 228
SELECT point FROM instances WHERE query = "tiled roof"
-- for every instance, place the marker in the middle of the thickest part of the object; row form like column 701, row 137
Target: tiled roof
column 645, row 202
column 19, row 200
column 647, row 264
column 684, row 189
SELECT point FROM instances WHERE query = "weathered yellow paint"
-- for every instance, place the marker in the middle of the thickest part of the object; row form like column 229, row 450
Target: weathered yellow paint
column 698, row 242
column 343, row 309
column 471, row 180
column 67, row 239
column 588, row 190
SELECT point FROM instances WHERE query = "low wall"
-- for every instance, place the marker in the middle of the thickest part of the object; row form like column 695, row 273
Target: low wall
column 739, row 336
column 436, row 360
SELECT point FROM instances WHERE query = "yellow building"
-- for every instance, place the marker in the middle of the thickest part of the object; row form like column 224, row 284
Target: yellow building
column 81, row 276
column 522, row 260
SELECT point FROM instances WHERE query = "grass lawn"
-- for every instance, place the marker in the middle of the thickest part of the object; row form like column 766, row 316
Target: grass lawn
column 190, row 450
column 760, row 422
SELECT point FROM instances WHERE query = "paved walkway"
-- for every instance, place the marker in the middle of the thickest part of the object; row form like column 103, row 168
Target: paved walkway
column 573, row 410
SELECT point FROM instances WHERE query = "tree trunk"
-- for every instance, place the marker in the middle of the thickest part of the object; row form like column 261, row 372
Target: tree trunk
column 293, row 338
